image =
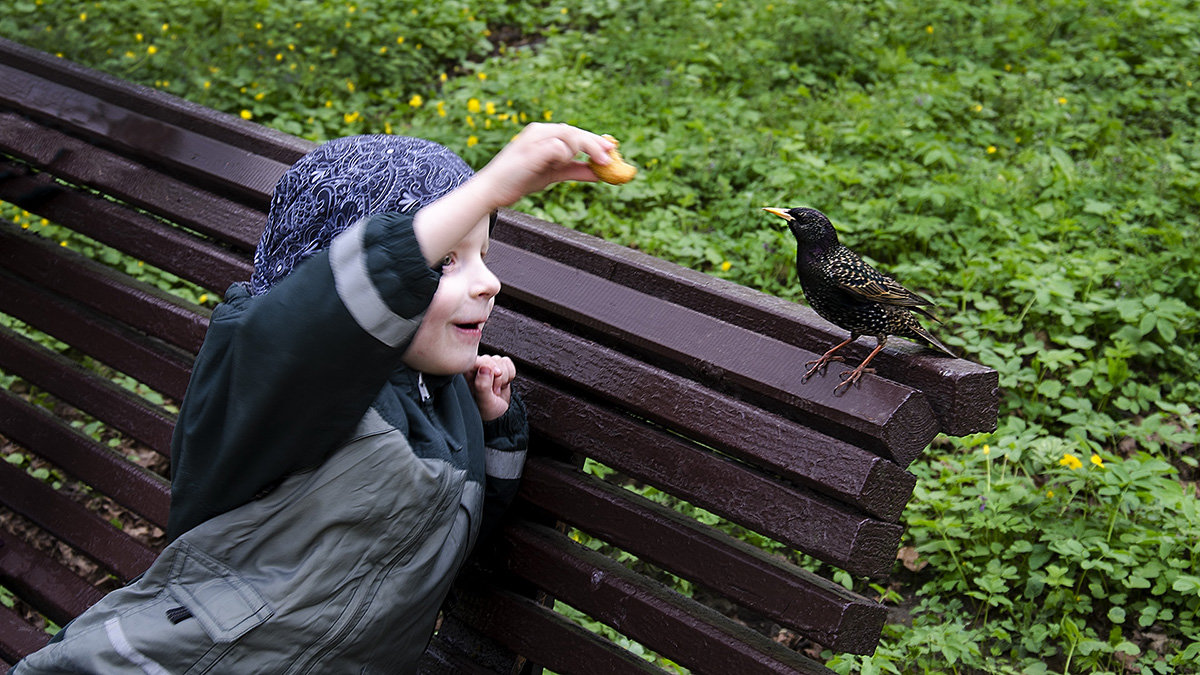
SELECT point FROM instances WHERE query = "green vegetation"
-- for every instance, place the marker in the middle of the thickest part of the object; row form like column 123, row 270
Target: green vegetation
column 1032, row 165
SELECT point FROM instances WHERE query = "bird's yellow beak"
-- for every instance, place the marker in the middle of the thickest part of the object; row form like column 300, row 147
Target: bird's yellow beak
column 779, row 212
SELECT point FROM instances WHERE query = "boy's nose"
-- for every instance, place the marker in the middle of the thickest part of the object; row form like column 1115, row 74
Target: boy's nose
column 486, row 284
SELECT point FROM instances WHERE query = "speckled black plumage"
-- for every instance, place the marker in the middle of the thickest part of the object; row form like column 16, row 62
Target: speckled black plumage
column 849, row 293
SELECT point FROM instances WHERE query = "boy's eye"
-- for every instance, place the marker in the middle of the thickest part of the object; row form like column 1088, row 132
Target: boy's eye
column 447, row 261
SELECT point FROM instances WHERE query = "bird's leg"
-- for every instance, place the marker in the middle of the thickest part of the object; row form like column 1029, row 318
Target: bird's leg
column 849, row 378
column 823, row 362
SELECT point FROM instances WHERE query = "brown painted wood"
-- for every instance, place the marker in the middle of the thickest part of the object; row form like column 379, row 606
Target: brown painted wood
column 964, row 395
column 17, row 638
column 73, row 523
column 83, row 389
column 256, row 138
column 79, row 163
column 802, row 455
column 678, row 627
column 887, row 418
column 159, row 366
column 204, row 159
column 545, row 637
column 821, row 527
column 135, row 303
column 173, row 249
column 44, row 583
column 130, row 485
column 816, row 608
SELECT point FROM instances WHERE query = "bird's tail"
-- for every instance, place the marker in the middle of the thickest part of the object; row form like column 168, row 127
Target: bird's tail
column 928, row 337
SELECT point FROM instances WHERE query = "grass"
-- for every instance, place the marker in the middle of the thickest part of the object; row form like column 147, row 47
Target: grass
column 1032, row 165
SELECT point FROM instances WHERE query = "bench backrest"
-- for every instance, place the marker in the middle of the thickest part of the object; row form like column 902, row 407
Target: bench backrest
column 667, row 377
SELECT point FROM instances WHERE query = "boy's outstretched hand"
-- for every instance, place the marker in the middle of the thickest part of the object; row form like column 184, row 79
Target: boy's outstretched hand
column 491, row 384
column 540, row 155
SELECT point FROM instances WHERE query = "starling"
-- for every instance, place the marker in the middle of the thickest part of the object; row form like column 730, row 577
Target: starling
column 848, row 292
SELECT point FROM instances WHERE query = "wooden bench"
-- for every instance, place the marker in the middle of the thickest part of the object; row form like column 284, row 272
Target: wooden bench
column 671, row 378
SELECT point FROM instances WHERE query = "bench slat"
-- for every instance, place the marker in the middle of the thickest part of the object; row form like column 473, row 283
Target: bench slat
column 133, row 302
column 44, row 583
column 820, row 527
column 828, row 465
column 889, row 419
column 18, row 638
column 130, row 485
column 965, row 395
column 160, row 106
column 818, row 609
column 80, row 387
column 54, row 512
column 694, row 635
column 80, row 163
column 143, row 237
column 544, row 636
column 159, row 366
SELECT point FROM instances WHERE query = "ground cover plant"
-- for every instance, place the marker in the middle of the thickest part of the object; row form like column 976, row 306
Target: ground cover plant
column 1033, row 166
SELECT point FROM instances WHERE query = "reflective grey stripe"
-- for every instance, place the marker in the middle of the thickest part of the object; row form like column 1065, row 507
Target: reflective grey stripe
column 502, row 464
column 120, row 642
column 348, row 259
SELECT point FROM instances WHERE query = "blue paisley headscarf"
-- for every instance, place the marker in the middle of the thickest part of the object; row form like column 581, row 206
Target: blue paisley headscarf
column 341, row 181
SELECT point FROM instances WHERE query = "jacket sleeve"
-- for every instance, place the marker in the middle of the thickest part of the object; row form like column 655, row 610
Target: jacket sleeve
column 506, row 441
column 283, row 378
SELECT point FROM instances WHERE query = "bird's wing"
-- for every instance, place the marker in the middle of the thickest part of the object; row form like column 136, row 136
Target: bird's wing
column 854, row 275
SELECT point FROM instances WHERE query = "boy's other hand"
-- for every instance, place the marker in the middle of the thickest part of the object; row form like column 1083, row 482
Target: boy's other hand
column 491, row 384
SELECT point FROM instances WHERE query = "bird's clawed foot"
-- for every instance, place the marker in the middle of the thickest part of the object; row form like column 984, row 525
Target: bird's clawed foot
column 819, row 366
column 852, row 376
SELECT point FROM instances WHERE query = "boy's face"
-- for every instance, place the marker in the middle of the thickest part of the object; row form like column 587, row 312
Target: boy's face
column 447, row 341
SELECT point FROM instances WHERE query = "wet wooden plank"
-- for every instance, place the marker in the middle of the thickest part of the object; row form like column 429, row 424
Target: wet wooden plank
column 816, row 608
column 798, row 453
column 44, row 583
column 83, row 389
column 80, row 163
column 543, row 636
column 114, row 550
column 113, row 123
column 680, row 628
column 161, row 367
column 130, row 485
column 964, row 395
column 203, row 262
column 135, row 303
column 18, row 639
column 822, row 528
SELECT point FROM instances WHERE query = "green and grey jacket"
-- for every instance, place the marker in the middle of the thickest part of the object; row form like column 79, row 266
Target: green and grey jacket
column 323, row 495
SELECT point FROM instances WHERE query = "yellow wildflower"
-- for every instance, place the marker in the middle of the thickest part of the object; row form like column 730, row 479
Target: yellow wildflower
column 441, row 108
column 400, row 40
column 471, row 140
column 138, row 36
column 725, row 266
column 490, row 108
column 350, row 86
column 1070, row 461
column 473, row 105
column 246, row 114
column 978, row 107
column 151, row 50
column 83, row 16
column 416, row 101
column 991, row 149
column 547, row 115
column 929, row 29
column 482, row 76
column 351, row 118
column 1062, row 100
column 203, row 298
column 1097, row 461
column 987, row 449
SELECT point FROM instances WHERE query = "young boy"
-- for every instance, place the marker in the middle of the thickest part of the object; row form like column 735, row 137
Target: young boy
column 340, row 431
